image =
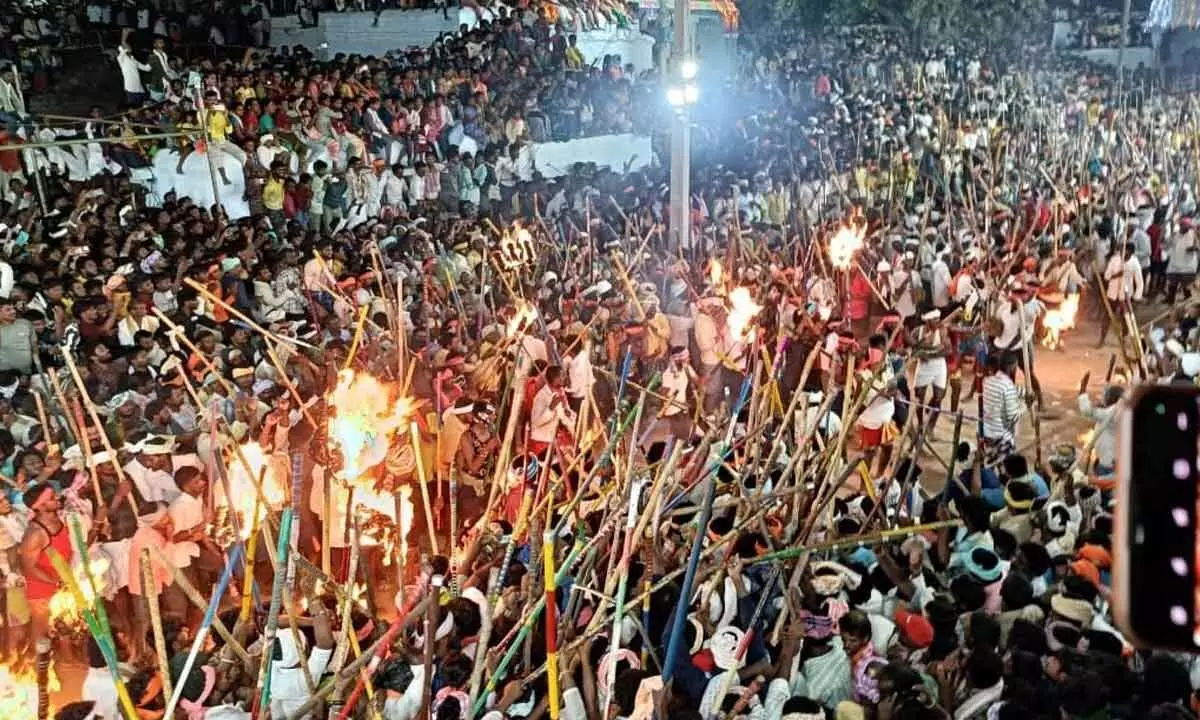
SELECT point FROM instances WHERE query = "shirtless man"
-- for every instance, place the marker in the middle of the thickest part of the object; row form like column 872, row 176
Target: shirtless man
column 931, row 346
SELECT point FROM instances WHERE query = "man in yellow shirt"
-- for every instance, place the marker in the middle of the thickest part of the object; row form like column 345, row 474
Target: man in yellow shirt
column 574, row 54
column 272, row 196
column 216, row 118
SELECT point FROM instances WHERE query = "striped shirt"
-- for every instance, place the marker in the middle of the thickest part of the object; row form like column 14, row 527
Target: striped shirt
column 1001, row 407
column 825, row 678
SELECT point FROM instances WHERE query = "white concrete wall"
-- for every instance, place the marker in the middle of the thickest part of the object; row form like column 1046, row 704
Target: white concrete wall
column 1133, row 56
column 354, row 32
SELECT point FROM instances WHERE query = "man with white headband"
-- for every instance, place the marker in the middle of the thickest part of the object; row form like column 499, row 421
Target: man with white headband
column 931, row 346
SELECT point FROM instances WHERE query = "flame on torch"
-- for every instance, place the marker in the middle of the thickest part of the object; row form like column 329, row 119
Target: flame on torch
column 242, row 486
column 741, row 312
column 716, row 273
column 405, row 520
column 1060, row 319
column 523, row 316
column 844, row 243
column 19, row 692
column 63, row 608
column 366, row 414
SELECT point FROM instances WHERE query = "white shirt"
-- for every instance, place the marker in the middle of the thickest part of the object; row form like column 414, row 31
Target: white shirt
column 131, row 71
column 1010, row 326
column 941, row 283
column 965, row 287
column 317, row 277
column 675, row 383
column 228, row 712
column 154, row 485
column 288, row 690
column 902, row 281
column 98, row 688
column 406, row 706
column 1123, row 278
column 681, row 327
column 544, row 419
column 128, row 327
column 7, row 280
column 579, row 374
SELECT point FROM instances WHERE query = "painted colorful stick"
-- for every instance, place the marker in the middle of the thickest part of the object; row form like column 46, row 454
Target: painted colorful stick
column 431, row 624
column 416, row 442
column 43, row 678
column 526, row 626
column 766, row 592
column 454, row 583
column 150, row 592
column 251, row 551
column 631, row 516
column 263, row 687
column 343, row 646
column 689, row 578
column 621, row 389
column 856, row 541
column 89, row 617
column 201, row 604
column 358, row 331
column 81, row 551
column 376, row 650
column 202, row 634
column 518, row 530
column 551, row 602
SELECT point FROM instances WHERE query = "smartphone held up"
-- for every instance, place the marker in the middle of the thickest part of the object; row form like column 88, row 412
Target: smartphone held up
column 1157, row 585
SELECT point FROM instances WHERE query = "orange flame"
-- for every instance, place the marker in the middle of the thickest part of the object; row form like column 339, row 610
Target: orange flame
column 63, row 608
column 741, row 313
column 729, row 13
column 1060, row 319
column 844, row 243
column 716, row 273
column 242, row 485
column 524, row 316
column 19, row 692
column 366, row 414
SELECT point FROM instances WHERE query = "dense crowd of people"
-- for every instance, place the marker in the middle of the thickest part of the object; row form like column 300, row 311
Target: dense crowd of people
column 489, row 446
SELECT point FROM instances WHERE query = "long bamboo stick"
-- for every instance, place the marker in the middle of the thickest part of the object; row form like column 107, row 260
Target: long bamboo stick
column 198, row 601
column 202, row 633
column 150, row 592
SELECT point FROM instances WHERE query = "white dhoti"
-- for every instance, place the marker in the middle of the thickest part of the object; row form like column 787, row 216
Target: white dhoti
column 118, row 553
column 931, row 372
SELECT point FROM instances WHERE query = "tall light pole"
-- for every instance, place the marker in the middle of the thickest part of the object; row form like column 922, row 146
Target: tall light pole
column 1124, row 41
column 681, row 94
